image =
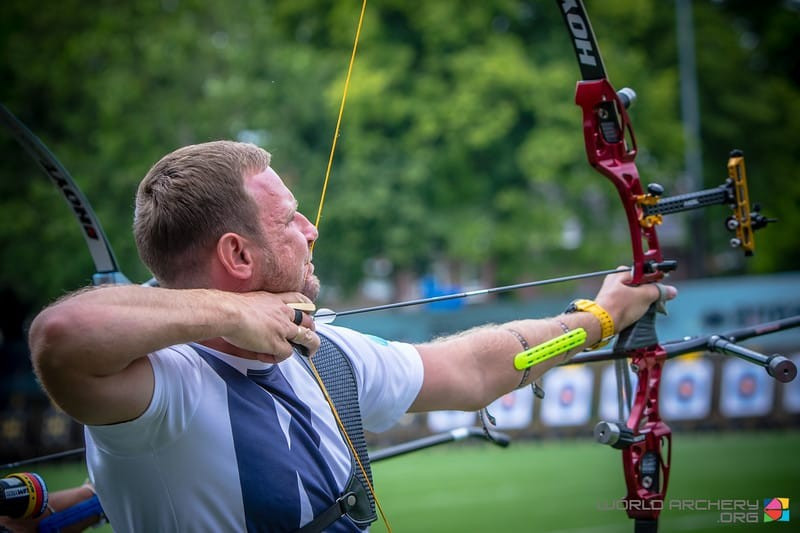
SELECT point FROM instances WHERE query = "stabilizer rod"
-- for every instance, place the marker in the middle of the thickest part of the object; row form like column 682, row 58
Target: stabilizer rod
column 776, row 365
column 501, row 439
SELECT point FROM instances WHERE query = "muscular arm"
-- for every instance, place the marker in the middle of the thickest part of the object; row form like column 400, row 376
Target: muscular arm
column 89, row 350
column 470, row 370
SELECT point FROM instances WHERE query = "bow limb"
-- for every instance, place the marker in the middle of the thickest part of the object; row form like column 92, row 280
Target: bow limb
column 105, row 263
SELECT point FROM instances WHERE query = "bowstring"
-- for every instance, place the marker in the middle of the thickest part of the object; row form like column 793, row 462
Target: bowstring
column 316, row 224
column 339, row 119
column 349, row 443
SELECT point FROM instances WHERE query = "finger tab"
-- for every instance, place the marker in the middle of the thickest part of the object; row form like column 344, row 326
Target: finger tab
column 306, row 307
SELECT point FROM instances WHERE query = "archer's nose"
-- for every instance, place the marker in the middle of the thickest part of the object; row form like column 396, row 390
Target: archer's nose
column 309, row 230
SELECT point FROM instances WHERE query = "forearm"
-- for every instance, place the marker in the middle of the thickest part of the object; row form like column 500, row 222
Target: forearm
column 470, row 370
column 100, row 332
column 89, row 350
column 60, row 500
column 555, row 327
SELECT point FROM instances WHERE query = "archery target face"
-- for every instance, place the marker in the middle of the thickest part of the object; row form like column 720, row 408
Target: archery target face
column 609, row 404
column 791, row 390
column 568, row 396
column 686, row 387
column 513, row 410
column 747, row 390
column 439, row 421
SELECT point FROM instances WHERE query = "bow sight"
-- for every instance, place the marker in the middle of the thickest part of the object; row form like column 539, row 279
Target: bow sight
column 743, row 222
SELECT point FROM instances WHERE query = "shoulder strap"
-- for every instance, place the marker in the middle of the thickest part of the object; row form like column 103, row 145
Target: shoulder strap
column 339, row 378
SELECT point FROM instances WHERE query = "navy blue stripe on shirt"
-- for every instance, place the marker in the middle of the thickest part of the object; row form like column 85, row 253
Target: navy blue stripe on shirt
column 268, row 465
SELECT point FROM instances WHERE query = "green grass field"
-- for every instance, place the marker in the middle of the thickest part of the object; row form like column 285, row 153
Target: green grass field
column 560, row 486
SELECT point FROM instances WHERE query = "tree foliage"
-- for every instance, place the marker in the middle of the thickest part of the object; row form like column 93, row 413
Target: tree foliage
column 461, row 143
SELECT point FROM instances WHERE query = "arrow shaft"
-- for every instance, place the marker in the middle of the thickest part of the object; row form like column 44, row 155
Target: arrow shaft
column 478, row 292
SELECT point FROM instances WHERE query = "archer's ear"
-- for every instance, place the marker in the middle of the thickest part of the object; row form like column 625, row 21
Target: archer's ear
column 235, row 256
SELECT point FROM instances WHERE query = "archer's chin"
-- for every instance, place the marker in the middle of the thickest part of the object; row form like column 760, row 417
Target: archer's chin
column 311, row 287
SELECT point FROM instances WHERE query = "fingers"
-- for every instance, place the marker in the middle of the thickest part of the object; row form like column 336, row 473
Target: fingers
column 298, row 331
column 624, row 275
column 298, row 317
column 627, row 303
column 659, row 292
column 663, row 292
column 306, row 338
column 666, row 292
column 297, row 336
column 302, row 312
column 274, row 325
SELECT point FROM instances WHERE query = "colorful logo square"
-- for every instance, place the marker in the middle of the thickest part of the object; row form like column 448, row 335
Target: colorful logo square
column 776, row 510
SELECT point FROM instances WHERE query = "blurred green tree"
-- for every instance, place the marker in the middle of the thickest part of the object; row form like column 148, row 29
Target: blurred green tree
column 461, row 145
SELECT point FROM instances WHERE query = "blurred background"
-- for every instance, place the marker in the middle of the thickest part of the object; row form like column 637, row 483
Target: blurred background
column 460, row 165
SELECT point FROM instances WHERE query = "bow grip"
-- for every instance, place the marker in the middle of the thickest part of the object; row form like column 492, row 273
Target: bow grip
column 640, row 334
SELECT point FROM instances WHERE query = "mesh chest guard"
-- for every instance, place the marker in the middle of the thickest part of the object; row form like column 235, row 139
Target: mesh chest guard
column 339, row 378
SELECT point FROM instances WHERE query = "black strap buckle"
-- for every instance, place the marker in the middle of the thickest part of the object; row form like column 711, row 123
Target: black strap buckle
column 340, row 507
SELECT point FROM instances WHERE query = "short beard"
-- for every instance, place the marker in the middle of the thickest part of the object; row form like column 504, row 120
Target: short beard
column 308, row 286
column 311, row 288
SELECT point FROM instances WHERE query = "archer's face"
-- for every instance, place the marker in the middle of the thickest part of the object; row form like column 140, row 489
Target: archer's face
column 288, row 236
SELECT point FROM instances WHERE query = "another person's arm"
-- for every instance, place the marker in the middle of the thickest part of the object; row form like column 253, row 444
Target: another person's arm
column 59, row 500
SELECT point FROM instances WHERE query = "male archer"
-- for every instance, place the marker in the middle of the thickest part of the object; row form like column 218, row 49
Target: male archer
column 200, row 413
